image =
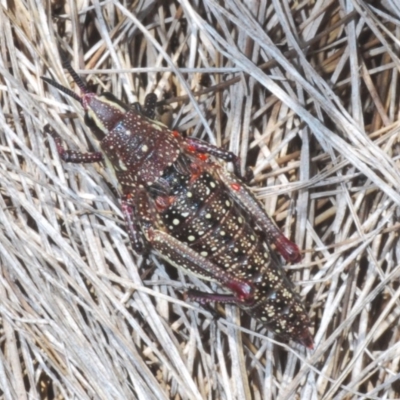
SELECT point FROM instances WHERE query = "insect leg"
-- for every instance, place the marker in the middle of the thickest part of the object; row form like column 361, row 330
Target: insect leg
column 289, row 250
column 149, row 108
column 135, row 234
column 150, row 105
column 71, row 156
column 197, row 145
column 182, row 256
column 205, row 298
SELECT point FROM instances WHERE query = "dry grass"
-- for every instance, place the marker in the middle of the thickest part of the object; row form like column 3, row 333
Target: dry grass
column 320, row 124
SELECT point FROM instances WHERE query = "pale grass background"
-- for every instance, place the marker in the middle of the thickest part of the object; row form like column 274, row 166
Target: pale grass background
column 321, row 127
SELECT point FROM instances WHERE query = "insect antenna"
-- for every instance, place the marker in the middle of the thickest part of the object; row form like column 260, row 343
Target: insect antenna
column 78, row 80
column 62, row 89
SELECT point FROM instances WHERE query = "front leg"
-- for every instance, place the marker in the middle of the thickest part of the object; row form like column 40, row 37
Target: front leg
column 71, row 156
column 149, row 107
column 136, row 236
column 199, row 146
column 150, row 102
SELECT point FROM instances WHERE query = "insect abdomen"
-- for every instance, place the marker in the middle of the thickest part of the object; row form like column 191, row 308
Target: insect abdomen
column 203, row 215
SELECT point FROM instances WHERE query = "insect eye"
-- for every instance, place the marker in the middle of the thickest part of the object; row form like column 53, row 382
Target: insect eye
column 111, row 98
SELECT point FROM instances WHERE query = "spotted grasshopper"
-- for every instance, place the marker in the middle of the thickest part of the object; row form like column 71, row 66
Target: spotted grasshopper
column 179, row 201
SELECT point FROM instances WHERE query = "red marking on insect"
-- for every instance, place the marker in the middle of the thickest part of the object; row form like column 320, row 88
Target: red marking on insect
column 191, row 148
column 163, row 202
column 288, row 250
column 244, row 291
column 235, row 186
column 195, row 172
column 202, row 157
column 176, row 134
column 306, row 339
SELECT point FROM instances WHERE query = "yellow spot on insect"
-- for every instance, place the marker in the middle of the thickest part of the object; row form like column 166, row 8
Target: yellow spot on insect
column 287, row 294
column 189, row 194
column 227, row 203
column 208, row 216
column 204, row 254
column 145, row 148
column 222, row 233
column 122, row 165
column 212, row 184
column 240, row 220
column 191, row 238
column 128, row 132
column 175, row 221
column 266, row 255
